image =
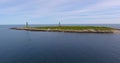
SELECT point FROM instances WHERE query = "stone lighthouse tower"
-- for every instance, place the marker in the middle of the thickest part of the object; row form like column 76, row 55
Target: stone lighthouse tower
column 59, row 24
column 27, row 25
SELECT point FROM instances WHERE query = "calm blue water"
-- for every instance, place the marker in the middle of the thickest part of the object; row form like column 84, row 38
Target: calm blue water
column 58, row 47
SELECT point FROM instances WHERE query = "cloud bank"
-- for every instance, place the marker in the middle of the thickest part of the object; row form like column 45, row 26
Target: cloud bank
column 50, row 11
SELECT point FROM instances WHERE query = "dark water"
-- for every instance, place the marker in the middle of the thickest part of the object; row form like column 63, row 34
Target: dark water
column 57, row 47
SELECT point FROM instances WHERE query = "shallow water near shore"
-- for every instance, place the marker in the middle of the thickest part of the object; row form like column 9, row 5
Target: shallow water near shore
column 18, row 46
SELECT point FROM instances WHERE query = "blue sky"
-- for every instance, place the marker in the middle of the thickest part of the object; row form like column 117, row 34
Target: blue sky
column 66, row 11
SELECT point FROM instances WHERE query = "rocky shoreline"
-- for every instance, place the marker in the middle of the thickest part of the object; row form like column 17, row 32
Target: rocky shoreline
column 70, row 31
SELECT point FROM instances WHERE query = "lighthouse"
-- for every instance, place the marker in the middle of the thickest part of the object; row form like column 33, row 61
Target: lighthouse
column 26, row 25
column 59, row 24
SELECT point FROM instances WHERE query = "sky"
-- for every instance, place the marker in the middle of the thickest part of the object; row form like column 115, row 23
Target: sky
column 65, row 11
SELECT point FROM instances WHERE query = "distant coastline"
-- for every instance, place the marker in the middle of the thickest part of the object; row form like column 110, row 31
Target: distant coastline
column 71, row 29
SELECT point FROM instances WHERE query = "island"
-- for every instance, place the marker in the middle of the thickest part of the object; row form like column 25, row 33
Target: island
column 71, row 29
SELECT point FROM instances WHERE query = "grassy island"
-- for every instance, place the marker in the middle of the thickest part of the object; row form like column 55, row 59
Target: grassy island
column 74, row 29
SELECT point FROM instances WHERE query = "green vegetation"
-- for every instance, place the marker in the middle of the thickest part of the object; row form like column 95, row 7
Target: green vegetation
column 74, row 28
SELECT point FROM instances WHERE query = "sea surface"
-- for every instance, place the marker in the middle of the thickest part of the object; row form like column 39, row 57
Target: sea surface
column 17, row 46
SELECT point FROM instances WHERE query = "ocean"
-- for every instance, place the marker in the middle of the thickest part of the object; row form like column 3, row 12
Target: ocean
column 19, row 46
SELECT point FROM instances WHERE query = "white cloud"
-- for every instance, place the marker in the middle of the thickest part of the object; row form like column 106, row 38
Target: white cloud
column 105, row 4
column 69, row 9
column 5, row 1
